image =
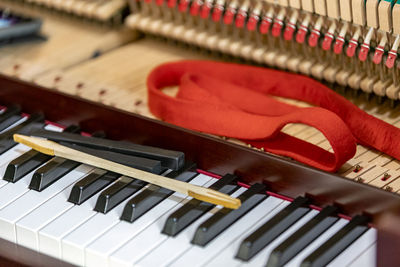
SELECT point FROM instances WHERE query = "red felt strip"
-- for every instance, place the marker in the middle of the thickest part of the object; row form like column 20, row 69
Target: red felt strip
column 235, row 101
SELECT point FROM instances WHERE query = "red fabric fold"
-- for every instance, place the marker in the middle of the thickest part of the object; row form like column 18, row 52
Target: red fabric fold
column 235, row 101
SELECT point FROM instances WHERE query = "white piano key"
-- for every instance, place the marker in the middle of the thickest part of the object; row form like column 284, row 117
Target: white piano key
column 260, row 259
column 197, row 256
column 367, row 259
column 151, row 236
column 28, row 227
column 98, row 252
column 10, row 192
column 316, row 244
column 74, row 244
column 355, row 249
column 31, row 200
column 226, row 257
column 163, row 255
column 50, row 236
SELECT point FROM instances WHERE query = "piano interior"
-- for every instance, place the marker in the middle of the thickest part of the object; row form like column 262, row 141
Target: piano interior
column 89, row 68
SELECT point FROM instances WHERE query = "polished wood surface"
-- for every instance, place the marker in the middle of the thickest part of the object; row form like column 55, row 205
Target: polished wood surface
column 215, row 155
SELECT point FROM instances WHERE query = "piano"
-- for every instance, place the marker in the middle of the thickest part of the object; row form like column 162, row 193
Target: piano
column 293, row 215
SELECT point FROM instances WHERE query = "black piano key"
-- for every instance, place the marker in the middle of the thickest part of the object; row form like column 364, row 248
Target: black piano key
column 24, row 164
column 29, row 161
column 144, row 164
column 303, row 237
column 153, row 195
column 266, row 233
column 10, row 116
column 52, row 171
column 221, row 220
column 123, row 188
column 90, row 185
column 194, row 209
column 6, row 138
column 337, row 243
column 169, row 159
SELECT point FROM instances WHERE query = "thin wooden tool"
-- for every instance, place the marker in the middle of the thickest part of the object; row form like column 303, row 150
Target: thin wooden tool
column 198, row 192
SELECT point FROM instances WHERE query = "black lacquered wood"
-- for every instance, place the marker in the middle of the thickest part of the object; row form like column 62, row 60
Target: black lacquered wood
column 24, row 164
column 153, row 194
column 225, row 217
column 194, row 209
column 144, row 164
column 266, row 233
column 123, row 188
column 6, row 138
column 299, row 240
column 169, row 158
column 10, row 116
column 90, row 185
column 52, row 171
column 337, row 243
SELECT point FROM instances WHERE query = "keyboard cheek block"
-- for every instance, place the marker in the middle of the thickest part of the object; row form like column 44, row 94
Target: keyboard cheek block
column 88, row 216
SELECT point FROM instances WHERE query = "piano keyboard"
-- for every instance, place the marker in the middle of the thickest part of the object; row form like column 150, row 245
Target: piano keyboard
column 87, row 216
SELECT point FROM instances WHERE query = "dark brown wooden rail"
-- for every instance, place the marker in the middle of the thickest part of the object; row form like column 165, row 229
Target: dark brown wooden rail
column 282, row 176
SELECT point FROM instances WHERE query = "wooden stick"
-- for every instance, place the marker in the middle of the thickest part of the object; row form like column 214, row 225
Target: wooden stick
column 198, row 192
